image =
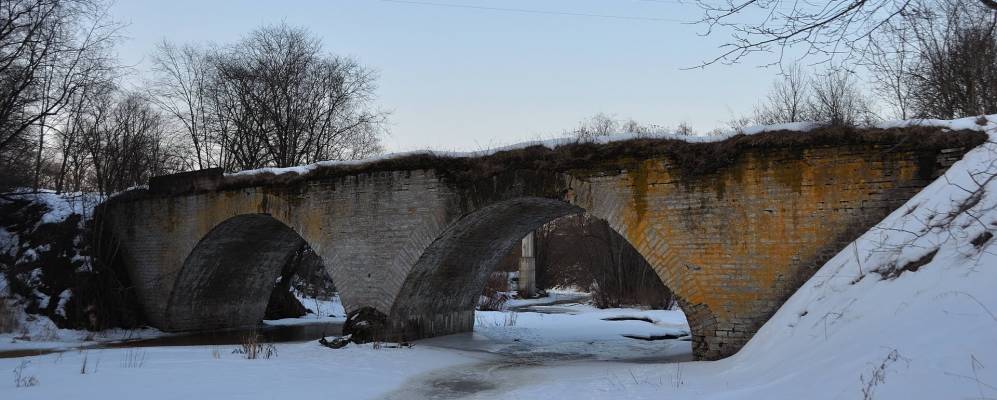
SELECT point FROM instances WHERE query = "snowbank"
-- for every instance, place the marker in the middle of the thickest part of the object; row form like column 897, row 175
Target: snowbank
column 60, row 205
column 299, row 371
column 42, row 248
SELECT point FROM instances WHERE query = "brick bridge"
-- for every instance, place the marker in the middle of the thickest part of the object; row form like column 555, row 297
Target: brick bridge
column 733, row 228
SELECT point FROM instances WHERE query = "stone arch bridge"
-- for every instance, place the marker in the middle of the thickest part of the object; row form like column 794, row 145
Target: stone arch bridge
column 733, row 228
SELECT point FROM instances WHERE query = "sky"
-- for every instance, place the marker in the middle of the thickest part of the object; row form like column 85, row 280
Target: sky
column 474, row 74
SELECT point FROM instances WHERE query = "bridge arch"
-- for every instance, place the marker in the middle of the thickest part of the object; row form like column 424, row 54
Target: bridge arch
column 226, row 280
column 439, row 294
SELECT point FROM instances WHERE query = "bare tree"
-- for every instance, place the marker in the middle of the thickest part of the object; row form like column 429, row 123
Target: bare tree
column 826, row 30
column 183, row 76
column 787, row 100
column 237, row 128
column 684, row 129
column 603, row 124
column 600, row 124
column 49, row 50
column 640, row 129
column 956, row 72
column 837, row 100
column 125, row 140
column 284, row 102
column 892, row 59
column 73, row 162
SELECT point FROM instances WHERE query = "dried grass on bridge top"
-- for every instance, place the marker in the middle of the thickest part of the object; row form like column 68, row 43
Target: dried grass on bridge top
column 692, row 159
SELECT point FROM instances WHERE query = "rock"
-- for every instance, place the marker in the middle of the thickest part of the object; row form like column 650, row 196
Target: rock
column 336, row 343
column 283, row 304
column 366, row 325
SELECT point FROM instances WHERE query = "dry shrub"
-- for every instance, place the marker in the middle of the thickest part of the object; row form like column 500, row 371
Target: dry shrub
column 134, row 358
column 491, row 303
column 510, row 319
column 494, row 296
column 22, row 380
column 252, row 348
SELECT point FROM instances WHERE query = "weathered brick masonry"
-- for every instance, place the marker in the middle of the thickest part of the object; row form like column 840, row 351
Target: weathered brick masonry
column 733, row 235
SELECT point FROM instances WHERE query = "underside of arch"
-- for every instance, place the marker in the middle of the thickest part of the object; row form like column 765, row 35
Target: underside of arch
column 226, row 280
column 439, row 294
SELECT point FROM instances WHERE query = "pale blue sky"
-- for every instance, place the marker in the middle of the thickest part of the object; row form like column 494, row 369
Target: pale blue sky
column 466, row 79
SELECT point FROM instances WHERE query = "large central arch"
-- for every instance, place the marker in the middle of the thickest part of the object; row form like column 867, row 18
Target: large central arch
column 440, row 293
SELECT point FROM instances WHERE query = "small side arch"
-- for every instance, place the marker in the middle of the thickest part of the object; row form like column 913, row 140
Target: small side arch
column 226, row 280
column 440, row 292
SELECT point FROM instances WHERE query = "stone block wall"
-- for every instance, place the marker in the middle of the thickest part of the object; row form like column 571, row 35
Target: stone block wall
column 368, row 229
column 734, row 244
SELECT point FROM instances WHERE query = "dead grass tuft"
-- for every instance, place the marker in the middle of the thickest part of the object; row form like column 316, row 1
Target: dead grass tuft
column 252, row 348
column 893, row 272
column 21, row 379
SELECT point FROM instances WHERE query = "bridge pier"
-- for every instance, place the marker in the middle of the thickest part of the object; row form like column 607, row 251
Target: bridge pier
column 527, row 283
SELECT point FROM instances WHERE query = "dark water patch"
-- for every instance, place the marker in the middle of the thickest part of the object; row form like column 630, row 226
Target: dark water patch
column 667, row 336
column 267, row 334
column 628, row 318
column 451, row 383
column 28, row 352
column 545, row 309
column 460, row 387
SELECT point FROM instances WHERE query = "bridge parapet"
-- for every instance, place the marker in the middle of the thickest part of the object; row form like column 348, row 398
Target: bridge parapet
column 187, row 182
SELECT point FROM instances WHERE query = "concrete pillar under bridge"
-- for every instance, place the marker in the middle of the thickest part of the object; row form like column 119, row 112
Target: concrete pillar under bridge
column 528, row 268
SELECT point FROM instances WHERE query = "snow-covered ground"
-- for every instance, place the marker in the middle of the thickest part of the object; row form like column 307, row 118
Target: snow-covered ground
column 553, row 296
column 60, row 205
column 299, row 371
column 578, row 331
column 320, row 308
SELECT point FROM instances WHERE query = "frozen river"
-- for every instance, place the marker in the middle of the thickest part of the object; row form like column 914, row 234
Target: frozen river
column 507, row 350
